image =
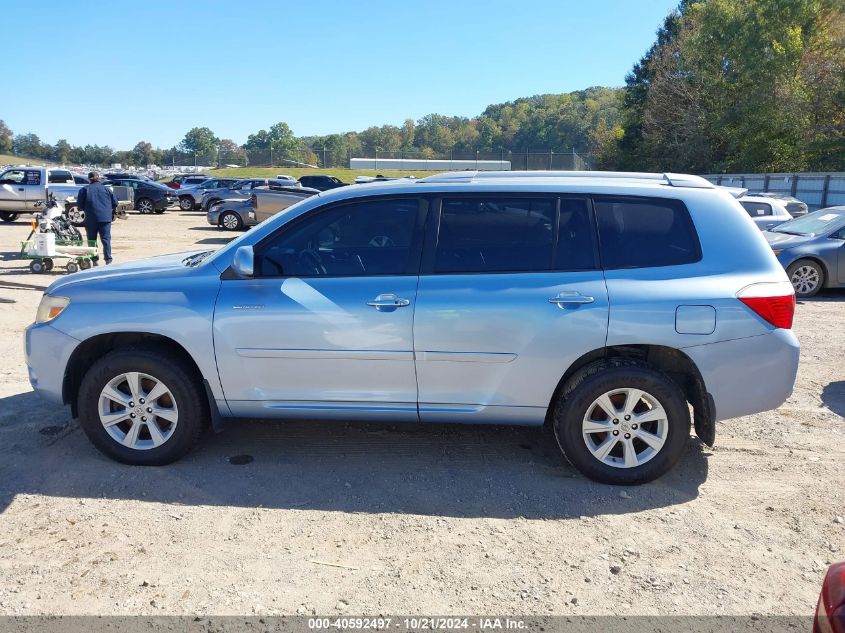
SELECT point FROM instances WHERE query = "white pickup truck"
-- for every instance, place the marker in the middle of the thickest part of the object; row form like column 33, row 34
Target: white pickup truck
column 22, row 187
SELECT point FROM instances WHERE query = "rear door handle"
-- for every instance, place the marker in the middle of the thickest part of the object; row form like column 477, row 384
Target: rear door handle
column 388, row 302
column 570, row 297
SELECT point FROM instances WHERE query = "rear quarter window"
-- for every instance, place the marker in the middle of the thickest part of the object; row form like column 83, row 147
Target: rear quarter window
column 756, row 209
column 645, row 232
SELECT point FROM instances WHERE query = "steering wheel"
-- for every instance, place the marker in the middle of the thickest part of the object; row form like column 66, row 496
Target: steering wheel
column 381, row 241
column 311, row 259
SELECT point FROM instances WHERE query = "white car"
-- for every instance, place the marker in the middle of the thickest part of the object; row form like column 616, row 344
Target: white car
column 766, row 212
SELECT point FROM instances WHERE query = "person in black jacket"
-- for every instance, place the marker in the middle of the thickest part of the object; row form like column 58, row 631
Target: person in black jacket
column 99, row 204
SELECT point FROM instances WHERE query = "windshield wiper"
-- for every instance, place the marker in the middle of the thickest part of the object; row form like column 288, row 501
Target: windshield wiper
column 195, row 259
column 792, row 232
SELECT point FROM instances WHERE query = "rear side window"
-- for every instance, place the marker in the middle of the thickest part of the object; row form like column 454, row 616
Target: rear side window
column 57, row 177
column 645, row 232
column 495, row 235
column 756, row 209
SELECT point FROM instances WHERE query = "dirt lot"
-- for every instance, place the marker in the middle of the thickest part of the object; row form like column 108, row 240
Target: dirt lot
column 367, row 519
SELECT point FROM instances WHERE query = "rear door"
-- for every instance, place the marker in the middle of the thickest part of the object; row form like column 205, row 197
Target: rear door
column 510, row 294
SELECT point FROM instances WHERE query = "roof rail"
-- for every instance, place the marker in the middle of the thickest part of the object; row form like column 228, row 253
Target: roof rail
column 673, row 180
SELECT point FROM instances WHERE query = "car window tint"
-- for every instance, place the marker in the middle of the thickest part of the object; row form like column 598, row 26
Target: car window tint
column 363, row 238
column 576, row 237
column 59, row 177
column 756, row 209
column 494, row 234
column 640, row 232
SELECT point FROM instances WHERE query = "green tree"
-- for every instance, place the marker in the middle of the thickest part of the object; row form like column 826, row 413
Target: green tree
column 28, row 145
column 143, row 154
column 61, row 151
column 200, row 141
column 6, row 138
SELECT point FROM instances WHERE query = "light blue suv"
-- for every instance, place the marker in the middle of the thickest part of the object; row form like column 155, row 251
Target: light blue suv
column 606, row 305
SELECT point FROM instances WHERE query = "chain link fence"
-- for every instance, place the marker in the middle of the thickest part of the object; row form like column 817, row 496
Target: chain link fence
column 325, row 157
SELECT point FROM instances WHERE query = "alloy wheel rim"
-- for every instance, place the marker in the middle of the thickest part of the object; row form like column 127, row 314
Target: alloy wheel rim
column 805, row 279
column 185, row 204
column 75, row 214
column 145, row 207
column 625, row 428
column 138, row 411
column 230, row 221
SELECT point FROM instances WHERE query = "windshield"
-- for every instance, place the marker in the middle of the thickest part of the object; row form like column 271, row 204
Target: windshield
column 815, row 223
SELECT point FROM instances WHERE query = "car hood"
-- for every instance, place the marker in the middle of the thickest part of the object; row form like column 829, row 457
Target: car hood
column 155, row 265
column 785, row 240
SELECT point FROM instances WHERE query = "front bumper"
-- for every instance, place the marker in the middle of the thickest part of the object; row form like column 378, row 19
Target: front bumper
column 47, row 354
column 748, row 375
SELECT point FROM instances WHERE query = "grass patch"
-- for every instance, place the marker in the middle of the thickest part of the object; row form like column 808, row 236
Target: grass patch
column 347, row 175
column 10, row 159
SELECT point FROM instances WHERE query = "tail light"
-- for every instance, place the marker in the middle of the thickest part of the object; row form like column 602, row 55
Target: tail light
column 773, row 302
column 253, row 200
column 830, row 610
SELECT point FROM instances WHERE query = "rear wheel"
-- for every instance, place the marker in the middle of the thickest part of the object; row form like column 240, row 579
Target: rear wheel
column 211, row 203
column 807, row 278
column 622, row 423
column 8, row 216
column 186, row 203
column 231, row 221
column 144, row 205
column 37, row 266
column 142, row 407
column 72, row 267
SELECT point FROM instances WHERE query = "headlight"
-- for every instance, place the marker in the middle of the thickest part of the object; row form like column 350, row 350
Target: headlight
column 50, row 307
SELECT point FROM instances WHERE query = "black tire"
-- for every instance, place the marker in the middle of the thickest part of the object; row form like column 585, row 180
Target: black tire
column 85, row 263
column 75, row 215
column 72, row 267
column 182, row 383
column 805, row 272
column 48, row 263
column 144, row 205
column 8, row 216
column 186, row 203
column 582, row 390
column 37, row 266
column 211, row 203
column 230, row 221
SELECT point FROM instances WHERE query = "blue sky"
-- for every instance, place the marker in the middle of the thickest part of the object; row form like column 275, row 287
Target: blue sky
column 117, row 73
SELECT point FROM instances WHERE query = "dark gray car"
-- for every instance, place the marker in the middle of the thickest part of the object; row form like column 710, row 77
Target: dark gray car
column 812, row 250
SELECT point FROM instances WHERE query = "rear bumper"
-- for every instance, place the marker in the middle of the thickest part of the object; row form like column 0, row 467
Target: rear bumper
column 748, row 375
column 47, row 354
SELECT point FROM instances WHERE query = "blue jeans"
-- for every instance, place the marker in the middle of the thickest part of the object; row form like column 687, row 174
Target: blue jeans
column 104, row 231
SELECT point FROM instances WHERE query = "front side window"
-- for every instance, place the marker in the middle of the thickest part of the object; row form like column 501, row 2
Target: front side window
column 756, row 209
column 495, row 234
column 373, row 237
column 645, row 232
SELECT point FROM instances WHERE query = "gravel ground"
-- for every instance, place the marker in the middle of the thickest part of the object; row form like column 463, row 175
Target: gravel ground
column 367, row 519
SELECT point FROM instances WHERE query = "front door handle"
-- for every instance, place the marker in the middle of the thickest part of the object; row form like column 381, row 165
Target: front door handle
column 570, row 297
column 388, row 302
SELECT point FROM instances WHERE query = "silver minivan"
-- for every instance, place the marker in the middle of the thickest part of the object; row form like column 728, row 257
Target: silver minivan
column 618, row 309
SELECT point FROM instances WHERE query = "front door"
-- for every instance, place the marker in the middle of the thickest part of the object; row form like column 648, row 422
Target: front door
column 324, row 329
column 509, row 296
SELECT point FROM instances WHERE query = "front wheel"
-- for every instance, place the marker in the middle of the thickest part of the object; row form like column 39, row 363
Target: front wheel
column 231, row 221
column 621, row 423
column 75, row 215
column 145, row 205
column 807, row 278
column 186, row 203
column 8, row 216
column 142, row 407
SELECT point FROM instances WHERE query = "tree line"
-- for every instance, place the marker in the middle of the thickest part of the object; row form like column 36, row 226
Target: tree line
column 728, row 85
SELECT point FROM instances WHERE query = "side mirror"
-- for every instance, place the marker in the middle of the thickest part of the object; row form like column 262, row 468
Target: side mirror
column 243, row 263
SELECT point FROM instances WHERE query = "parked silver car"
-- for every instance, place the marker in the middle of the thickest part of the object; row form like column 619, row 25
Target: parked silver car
column 240, row 190
column 190, row 197
column 767, row 213
column 231, row 215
